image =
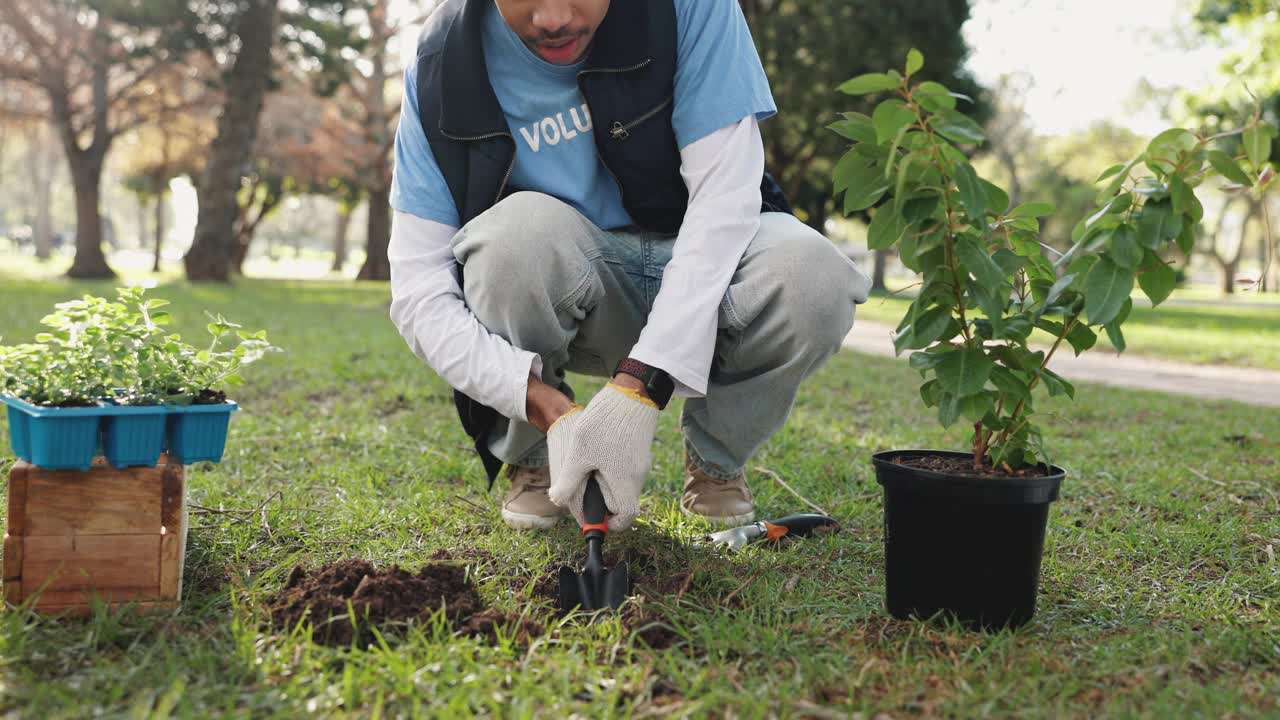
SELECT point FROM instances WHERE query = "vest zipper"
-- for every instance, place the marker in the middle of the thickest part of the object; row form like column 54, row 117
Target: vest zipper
column 622, row 132
column 510, row 168
column 622, row 193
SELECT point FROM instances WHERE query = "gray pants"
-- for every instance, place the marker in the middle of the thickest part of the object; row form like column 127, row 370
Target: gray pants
column 542, row 276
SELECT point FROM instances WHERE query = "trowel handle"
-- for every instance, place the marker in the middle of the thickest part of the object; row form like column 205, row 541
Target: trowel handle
column 594, row 510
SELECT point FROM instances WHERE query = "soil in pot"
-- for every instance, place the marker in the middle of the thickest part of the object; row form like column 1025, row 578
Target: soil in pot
column 209, row 397
column 384, row 598
column 961, row 544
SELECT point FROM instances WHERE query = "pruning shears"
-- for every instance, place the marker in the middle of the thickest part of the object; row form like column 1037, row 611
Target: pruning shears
column 800, row 525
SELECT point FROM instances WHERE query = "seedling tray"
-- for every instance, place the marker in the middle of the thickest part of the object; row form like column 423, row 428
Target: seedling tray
column 128, row 435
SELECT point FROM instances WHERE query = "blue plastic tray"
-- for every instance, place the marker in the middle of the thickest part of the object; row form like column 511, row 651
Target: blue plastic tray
column 129, row 435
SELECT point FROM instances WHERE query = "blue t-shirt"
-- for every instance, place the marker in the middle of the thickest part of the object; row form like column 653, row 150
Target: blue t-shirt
column 719, row 81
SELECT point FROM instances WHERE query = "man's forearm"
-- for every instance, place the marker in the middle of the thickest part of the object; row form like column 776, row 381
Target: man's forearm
column 430, row 311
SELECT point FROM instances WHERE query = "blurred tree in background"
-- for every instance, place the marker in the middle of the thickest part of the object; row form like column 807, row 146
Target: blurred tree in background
column 1251, row 83
column 250, row 40
column 96, row 76
column 809, row 47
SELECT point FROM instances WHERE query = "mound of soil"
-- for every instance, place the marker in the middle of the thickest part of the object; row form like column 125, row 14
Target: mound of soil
column 380, row 598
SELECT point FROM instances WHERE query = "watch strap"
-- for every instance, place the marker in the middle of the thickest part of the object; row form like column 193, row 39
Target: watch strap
column 657, row 383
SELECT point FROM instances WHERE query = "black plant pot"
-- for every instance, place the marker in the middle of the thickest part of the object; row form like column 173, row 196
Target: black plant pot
column 968, row 547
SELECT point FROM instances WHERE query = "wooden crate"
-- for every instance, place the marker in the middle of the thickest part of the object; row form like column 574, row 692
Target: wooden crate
column 117, row 534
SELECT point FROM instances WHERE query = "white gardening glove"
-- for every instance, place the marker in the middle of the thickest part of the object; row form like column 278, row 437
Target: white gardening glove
column 612, row 437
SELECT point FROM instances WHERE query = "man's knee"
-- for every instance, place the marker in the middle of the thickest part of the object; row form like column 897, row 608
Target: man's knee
column 514, row 234
column 524, row 250
column 812, row 285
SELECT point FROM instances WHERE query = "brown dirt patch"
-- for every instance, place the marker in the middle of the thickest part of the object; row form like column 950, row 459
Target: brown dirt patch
column 490, row 623
column 379, row 598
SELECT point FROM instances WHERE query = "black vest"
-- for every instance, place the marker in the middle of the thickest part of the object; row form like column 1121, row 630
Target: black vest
column 628, row 83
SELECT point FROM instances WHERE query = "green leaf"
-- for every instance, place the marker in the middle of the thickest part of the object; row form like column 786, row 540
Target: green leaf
column 1108, row 173
column 1056, row 384
column 978, row 262
column 1081, row 338
column 1181, row 195
column 1107, row 287
column 1158, row 282
column 886, row 229
column 964, row 372
column 997, row 198
column 864, row 182
column 890, row 117
column 904, row 168
column 976, row 407
column 971, row 193
column 926, row 328
column 935, row 97
column 1118, row 181
column 930, row 393
column 1017, row 327
column 1228, row 168
column 915, row 61
column 1257, row 145
column 1009, row 383
column 1187, row 239
column 948, row 409
column 1056, row 290
column 869, row 83
column 1125, row 250
column 919, row 208
column 958, row 127
column 857, row 129
column 1158, row 224
column 1032, row 210
column 1116, row 336
column 846, row 167
column 1113, row 328
column 1008, row 262
column 925, row 361
column 1163, row 150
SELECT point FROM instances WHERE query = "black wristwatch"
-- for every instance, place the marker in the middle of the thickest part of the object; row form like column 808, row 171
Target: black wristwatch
column 657, row 383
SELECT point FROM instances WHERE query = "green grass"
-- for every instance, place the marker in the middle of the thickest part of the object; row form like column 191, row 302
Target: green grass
column 1160, row 588
column 1189, row 328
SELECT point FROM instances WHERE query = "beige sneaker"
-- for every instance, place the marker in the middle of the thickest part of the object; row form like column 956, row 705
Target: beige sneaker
column 527, row 506
column 726, row 503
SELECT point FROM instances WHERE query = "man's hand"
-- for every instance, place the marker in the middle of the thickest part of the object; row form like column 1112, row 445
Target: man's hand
column 545, row 404
column 612, row 438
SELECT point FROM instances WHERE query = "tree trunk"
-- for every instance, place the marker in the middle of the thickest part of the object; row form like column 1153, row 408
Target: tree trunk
column 1264, row 258
column 212, row 252
column 160, row 208
column 40, row 169
column 141, row 220
column 877, row 274
column 376, row 265
column 86, row 168
column 86, row 177
column 340, row 237
column 378, row 229
column 240, row 252
column 1228, row 277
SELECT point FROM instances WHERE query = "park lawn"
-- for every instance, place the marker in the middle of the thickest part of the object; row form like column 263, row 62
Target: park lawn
column 1245, row 332
column 1160, row 594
